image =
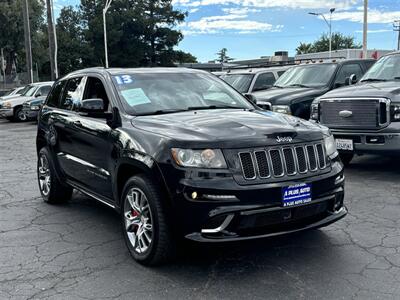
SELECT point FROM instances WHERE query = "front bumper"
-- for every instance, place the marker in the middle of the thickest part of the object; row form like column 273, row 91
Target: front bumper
column 6, row 112
column 371, row 142
column 257, row 210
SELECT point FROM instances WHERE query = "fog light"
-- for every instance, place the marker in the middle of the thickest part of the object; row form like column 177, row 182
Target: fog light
column 194, row 195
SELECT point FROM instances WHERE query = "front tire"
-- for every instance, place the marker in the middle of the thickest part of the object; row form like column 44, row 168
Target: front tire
column 50, row 187
column 145, row 225
column 19, row 115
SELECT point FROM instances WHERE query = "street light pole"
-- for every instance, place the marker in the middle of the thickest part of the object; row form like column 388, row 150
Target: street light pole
column 329, row 26
column 106, row 7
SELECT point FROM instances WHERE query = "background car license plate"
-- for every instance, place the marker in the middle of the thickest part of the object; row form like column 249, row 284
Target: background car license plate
column 296, row 194
column 343, row 144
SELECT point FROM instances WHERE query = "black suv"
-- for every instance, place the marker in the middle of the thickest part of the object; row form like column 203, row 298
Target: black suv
column 179, row 153
column 295, row 90
column 365, row 118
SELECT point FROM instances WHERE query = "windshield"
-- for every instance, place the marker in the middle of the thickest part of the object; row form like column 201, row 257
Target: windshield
column 30, row 91
column 307, row 76
column 241, row 82
column 387, row 68
column 152, row 93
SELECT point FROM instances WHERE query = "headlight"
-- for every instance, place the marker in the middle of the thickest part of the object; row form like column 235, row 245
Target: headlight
column 283, row 109
column 208, row 158
column 7, row 105
column 395, row 112
column 314, row 112
column 330, row 145
column 35, row 107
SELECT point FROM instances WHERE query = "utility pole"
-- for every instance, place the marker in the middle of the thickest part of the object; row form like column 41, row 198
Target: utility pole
column 52, row 40
column 27, row 34
column 365, row 29
column 106, row 7
column 396, row 27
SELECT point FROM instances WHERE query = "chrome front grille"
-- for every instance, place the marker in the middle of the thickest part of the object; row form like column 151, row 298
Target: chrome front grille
column 355, row 113
column 283, row 161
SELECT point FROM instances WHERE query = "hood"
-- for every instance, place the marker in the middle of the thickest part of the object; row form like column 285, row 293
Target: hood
column 229, row 128
column 388, row 89
column 289, row 95
column 5, row 98
column 19, row 100
column 35, row 101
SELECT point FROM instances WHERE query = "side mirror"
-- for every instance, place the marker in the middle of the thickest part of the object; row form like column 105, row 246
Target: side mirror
column 264, row 105
column 251, row 98
column 95, row 105
column 38, row 94
column 351, row 80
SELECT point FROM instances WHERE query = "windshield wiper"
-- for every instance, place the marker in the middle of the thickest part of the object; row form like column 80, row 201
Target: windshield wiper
column 278, row 86
column 300, row 85
column 214, row 107
column 161, row 112
column 373, row 79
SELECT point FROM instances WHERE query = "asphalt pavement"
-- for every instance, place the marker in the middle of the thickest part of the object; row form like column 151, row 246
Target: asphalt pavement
column 76, row 250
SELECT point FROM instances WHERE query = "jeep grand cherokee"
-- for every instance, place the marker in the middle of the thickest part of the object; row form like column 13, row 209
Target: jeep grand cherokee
column 179, row 153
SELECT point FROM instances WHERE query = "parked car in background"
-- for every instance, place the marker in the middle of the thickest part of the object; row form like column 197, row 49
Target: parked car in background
column 180, row 153
column 295, row 90
column 32, row 107
column 14, row 93
column 11, row 108
column 365, row 117
column 255, row 79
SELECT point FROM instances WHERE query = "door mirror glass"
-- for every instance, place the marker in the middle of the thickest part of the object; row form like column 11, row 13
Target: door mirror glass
column 95, row 105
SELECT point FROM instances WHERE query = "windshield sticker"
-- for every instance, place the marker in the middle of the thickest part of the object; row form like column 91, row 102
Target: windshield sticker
column 124, row 79
column 135, row 97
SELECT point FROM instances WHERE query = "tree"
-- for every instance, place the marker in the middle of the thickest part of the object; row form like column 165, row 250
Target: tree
column 141, row 32
column 223, row 56
column 183, row 57
column 73, row 50
column 304, row 48
column 12, row 33
column 339, row 41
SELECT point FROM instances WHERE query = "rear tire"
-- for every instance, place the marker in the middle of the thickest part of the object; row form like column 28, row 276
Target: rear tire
column 346, row 158
column 145, row 224
column 51, row 189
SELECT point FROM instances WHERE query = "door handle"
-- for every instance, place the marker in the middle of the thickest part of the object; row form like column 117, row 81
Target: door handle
column 77, row 123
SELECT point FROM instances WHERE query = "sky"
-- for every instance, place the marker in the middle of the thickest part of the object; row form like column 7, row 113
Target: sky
column 255, row 28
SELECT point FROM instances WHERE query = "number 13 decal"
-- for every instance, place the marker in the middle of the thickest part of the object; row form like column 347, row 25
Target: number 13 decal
column 123, row 79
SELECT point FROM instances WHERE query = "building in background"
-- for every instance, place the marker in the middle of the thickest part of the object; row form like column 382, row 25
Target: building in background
column 340, row 54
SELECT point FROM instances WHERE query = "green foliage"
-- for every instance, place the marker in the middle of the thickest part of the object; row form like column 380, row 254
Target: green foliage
column 12, row 33
column 140, row 33
column 339, row 41
column 223, row 56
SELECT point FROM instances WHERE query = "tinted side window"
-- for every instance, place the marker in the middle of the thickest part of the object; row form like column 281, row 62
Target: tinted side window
column 53, row 99
column 348, row 70
column 369, row 64
column 95, row 90
column 43, row 91
column 264, row 81
column 72, row 95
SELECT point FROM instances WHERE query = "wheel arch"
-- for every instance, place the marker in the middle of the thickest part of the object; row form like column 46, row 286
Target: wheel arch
column 126, row 168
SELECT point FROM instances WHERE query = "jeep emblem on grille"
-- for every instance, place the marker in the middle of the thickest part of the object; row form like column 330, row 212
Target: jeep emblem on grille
column 284, row 139
column 345, row 113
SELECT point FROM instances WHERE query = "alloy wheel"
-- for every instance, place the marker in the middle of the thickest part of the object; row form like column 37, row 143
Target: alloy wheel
column 138, row 221
column 44, row 175
column 21, row 116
